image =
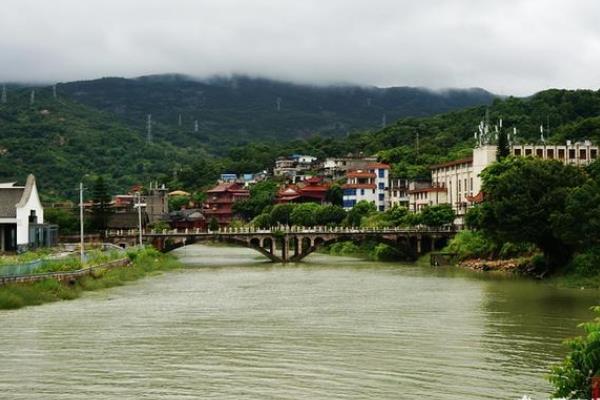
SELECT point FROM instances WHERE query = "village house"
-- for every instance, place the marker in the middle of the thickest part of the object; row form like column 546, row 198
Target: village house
column 295, row 168
column 311, row 190
column 22, row 218
column 370, row 184
column 220, row 199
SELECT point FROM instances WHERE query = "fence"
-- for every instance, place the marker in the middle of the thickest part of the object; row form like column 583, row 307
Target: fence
column 63, row 276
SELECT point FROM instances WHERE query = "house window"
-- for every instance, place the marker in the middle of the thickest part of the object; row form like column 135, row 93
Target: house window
column 571, row 154
column 381, row 208
column 381, row 196
column 527, row 152
column 350, row 192
column 550, row 153
column 373, row 191
column 349, row 203
column 362, row 192
column 539, row 153
column 561, row 154
column 381, row 186
column 593, row 154
column 517, row 152
column 381, row 173
column 32, row 217
column 582, row 155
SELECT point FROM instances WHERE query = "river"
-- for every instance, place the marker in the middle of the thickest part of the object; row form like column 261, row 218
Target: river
column 234, row 327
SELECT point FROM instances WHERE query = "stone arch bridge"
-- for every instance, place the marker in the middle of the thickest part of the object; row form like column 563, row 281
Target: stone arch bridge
column 290, row 244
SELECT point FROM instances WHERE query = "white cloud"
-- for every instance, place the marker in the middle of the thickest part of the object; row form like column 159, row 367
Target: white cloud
column 510, row 46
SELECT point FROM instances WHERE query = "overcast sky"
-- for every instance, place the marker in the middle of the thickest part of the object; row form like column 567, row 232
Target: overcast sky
column 506, row 46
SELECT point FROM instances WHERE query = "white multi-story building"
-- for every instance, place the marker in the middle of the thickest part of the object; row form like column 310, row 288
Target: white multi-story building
column 399, row 192
column 461, row 182
column 370, row 184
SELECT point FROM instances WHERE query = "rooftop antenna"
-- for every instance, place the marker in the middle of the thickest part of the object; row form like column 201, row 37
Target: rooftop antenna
column 278, row 101
column 179, row 120
column 3, row 98
column 149, row 128
column 383, row 121
column 196, row 126
column 32, row 97
column 54, row 91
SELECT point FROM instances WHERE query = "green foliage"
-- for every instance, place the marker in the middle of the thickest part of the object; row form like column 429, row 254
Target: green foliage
column 469, row 244
column 213, row 224
column 304, row 214
column 362, row 209
column 176, row 203
column 503, row 146
column 572, row 379
column 335, row 195
column 262, row 195
column 344, row 249
column 523, row 196
column 586, row 263
column 385, row 252
column 330, row 215
column 281, row 213
column 262, row 221
column 101, row 209
column 437, row 216
column 67, row 220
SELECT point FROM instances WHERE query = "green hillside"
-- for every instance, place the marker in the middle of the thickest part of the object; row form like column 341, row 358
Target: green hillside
column 61, row 141
column 240, row 110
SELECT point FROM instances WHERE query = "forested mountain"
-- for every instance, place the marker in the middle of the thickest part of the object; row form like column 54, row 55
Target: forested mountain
column 240, row 109
column 61, row 141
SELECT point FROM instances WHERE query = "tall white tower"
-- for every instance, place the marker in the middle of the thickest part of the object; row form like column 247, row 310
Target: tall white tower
column 3, row 99
column 278, row 104
column 54, row 91
column 32, row 97
column 196, row 126
column 383, row 121
column 179, row 120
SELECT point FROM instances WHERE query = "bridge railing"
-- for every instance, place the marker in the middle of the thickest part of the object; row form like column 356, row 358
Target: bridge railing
column 280, row 229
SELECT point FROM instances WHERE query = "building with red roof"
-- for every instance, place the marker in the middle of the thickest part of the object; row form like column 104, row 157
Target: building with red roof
column 220, row 200
column 310, row 190
column 370, row 184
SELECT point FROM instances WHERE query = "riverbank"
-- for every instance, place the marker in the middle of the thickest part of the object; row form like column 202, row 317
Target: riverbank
column 143, row 262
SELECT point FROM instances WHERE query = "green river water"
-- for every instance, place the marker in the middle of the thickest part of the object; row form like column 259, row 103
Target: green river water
column 234, row 327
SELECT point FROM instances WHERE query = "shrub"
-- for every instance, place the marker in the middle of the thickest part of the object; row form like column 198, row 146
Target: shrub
column 470, row 244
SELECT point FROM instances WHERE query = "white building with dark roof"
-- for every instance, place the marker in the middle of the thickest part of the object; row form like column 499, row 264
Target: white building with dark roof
column 22, row 217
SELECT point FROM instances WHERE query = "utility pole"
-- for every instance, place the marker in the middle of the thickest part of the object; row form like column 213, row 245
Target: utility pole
column 196, row 126
column 139, row 196
column 32, row 97
column 54, row 91
column 179, row 120
column 278, row 101
column 81, row 250
column 3, row 98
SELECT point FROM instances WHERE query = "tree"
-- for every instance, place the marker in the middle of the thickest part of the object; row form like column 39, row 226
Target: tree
column 101, row 209
column 503, row 146
column 436, row 216
column 213, row 224
column 397, row 215
column 304, row 214
column 262, row 195
column 262, row 221
column 335, row 195
column 362, row 209
column 330, row 215
column 521, row 196
column 66, row 220
column 176, row 203
column 573, row 378
column 280, row 214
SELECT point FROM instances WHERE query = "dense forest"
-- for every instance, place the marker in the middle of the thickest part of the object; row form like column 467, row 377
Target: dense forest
column 241, row 110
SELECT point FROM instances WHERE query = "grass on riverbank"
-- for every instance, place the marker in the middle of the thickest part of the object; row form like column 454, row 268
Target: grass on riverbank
column 144, row 262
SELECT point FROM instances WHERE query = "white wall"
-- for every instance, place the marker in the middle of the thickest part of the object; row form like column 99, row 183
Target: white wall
column 33, row 203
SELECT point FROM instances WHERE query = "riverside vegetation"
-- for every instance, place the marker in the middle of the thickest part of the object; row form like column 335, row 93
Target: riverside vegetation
column 143, row 262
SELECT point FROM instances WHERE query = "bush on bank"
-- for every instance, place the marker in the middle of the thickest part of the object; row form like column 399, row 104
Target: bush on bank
column 144, row 262
column 572, row 379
